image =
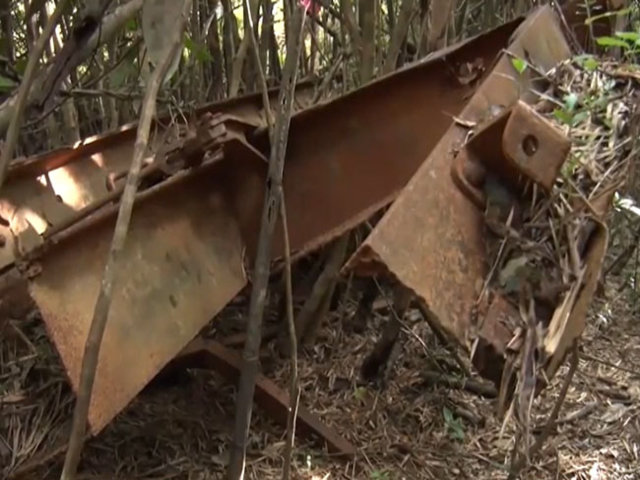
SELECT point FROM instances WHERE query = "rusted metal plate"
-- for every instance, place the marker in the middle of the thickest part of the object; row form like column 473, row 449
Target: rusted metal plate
column 348, row 158
column 210, row 354
column 181, row 264
column 431, row 239
column 519, row 146
column 533, row 147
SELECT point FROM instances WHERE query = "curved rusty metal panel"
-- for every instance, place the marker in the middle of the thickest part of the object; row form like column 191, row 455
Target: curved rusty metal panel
column 431, row 239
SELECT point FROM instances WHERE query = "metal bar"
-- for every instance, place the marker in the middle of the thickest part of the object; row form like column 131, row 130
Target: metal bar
column 210, row 354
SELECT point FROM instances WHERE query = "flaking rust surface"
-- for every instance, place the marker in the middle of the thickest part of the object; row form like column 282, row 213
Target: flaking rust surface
column 359, row 150
column 431, row 239
column 181, row 264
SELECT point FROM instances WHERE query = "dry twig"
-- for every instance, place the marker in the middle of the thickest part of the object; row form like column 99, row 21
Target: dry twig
column 520, row 463
column 294, row 390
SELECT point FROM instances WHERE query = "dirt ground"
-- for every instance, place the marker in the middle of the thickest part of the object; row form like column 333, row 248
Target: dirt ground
column 409, row 430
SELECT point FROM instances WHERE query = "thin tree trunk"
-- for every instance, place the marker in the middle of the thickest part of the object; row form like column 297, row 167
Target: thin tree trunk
column 441, row 11
column 229, row 39
column 267, row 27
column 213, row 40
column 6, row 24
column 399, row 35
column 391, row 16
column 270, row 214
column 240, row 58
column 367, row 18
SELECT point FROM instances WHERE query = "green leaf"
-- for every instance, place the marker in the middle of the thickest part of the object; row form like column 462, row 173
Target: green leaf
column 611, row 42
column 448, row 416
column 519, row 64
column 200, row 52
column 579, row 117
column 629, row 36
column 570, row 101
column 591, row 64
column 6, row 84
column 588, row 62
column 360, row 393
column 132, row 25
column 454, row 425
column 379, row 475
column 563, row 116
column 456, row 431
column 189, row 44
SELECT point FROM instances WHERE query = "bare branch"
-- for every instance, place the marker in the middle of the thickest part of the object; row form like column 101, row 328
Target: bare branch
column 294, row 390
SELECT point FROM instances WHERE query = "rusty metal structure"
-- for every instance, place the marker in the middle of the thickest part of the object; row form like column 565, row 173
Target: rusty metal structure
column 400, row 140
column 449, row 253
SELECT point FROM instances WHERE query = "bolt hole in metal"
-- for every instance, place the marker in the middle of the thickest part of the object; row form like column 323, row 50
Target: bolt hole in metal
column 530, row 145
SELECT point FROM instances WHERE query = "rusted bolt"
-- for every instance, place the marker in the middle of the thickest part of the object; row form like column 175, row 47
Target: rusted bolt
column 530, row 145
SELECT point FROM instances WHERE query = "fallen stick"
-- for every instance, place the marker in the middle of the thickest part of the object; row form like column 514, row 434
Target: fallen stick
column 519, row 464
column 473, row 386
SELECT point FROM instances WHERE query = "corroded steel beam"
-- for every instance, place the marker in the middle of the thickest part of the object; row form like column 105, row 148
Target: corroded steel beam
column 350, row 157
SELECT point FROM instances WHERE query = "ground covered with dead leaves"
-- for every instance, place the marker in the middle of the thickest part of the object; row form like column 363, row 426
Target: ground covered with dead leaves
column 409, row 429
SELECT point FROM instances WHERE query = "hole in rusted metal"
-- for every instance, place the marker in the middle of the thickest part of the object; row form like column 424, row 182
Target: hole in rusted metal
column 530, row 145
